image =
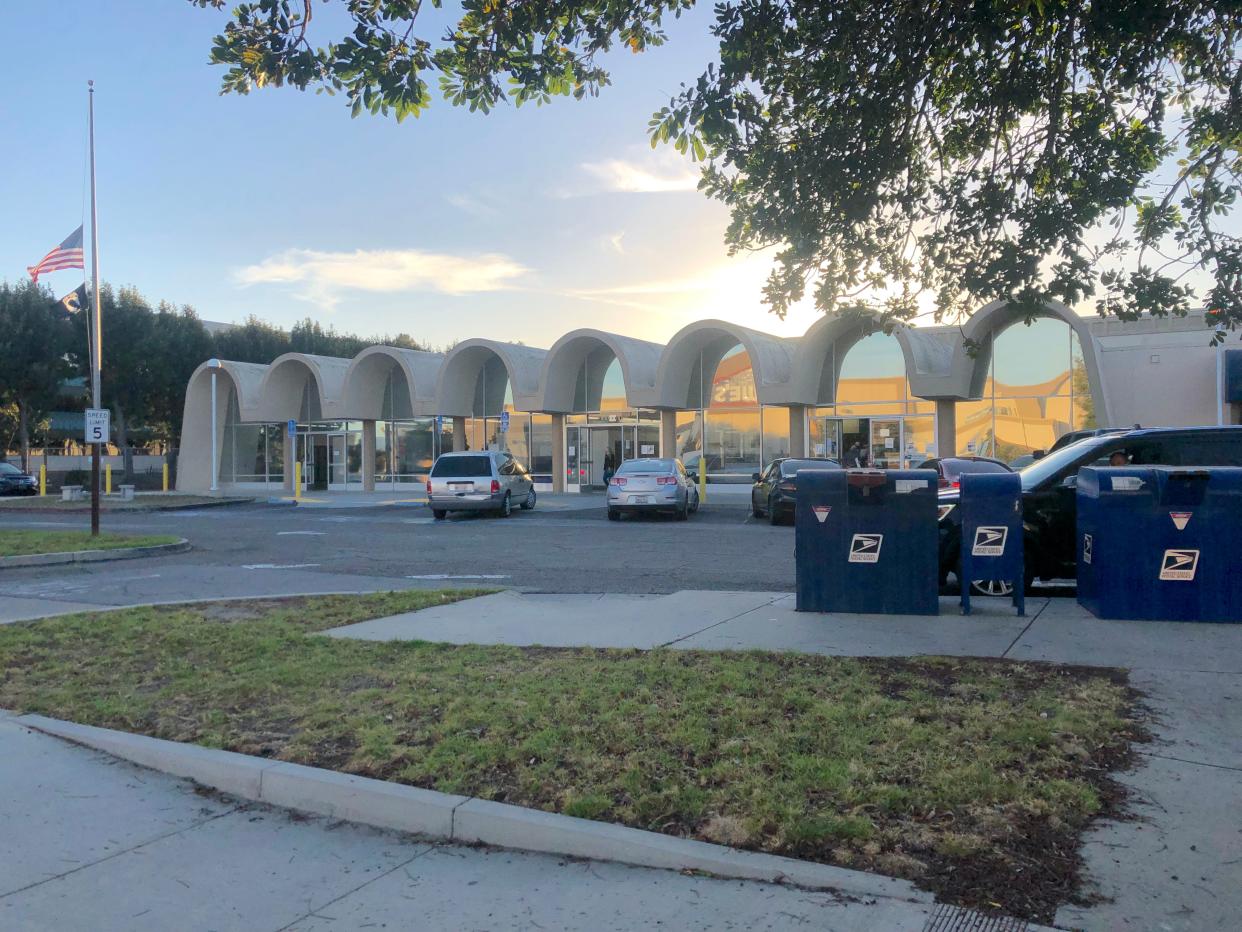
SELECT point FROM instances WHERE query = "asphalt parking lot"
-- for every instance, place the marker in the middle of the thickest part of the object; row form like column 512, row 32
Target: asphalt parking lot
column 551, row 549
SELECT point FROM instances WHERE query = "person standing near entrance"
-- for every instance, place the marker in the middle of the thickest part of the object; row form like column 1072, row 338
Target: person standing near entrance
column 609, row 467
column 854, row 458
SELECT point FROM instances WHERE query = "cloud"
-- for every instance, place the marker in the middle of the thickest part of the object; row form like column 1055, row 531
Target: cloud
column 322, row 276
column 471, row 205
column 636, row 178
column 615, row 240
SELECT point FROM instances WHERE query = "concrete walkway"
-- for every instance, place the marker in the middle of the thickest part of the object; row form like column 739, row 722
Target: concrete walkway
column 89, row 842
column 1178, row 866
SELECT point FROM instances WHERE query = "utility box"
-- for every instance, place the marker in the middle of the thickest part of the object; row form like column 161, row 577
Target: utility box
column 1160, row 543
column 992, row 545
column 866, row 541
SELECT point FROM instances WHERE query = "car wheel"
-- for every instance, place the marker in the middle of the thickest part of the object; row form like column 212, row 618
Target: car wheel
column 755, row 510
column 439, row 514
column 774, row 517
column 530, row 501
column 991, row 587
column 506, row 506
column 695, row 507
column 614, row 515
column 684, row 511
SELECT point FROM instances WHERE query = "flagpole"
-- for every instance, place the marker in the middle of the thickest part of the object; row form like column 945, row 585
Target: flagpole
column 96, row 320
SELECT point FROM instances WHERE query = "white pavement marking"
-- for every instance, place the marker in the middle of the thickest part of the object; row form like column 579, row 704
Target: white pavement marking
column 276, row 566
column 301, row 533
column 466, row 576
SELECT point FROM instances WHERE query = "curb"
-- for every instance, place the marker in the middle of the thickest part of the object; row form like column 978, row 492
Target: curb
column 93, row 556
column 462, row 819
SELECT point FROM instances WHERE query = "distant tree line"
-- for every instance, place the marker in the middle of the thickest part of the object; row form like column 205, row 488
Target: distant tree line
column 149, row 353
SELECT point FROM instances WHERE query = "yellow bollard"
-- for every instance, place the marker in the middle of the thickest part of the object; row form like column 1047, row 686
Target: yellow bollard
column 108, row 479
column 702, row 479
column 165, row 477
column 43, row 481
column 297, row 480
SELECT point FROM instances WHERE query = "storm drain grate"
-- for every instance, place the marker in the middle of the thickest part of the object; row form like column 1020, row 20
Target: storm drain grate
column 948, row 918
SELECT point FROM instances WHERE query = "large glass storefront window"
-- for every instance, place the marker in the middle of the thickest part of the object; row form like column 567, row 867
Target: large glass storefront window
column 1036, row 390
column 875, row 421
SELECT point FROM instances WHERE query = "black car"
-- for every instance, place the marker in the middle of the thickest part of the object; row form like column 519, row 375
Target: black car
column 15, row 482
column 950, row 468
column 1049, row 496
column 776, row 489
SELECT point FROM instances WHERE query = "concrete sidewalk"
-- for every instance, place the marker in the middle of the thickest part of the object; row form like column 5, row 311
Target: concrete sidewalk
column 1178, row 866
column 89, row 842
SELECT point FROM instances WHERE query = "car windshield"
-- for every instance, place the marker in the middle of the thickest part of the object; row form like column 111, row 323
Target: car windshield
column 466, row 466
column 660, row 467
column 1053, row 463
column 8, row 469
column 790, row 467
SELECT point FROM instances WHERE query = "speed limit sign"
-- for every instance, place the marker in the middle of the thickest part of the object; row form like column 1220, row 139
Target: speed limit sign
column 98, row 425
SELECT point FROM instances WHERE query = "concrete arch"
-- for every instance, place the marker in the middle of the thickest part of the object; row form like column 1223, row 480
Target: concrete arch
column 240, row 380
column 286, row 377
column 639, row 362
column 367, row 377
column 998, row 316
column 821, row 354
column 458, row 379
column 771, row 359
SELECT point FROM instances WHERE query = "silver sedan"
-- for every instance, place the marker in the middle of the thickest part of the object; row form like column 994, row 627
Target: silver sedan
column 652, row 485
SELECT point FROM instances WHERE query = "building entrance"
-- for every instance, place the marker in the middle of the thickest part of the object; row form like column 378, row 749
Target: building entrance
column 873, row 442
column 324, row 457
column 591, row 449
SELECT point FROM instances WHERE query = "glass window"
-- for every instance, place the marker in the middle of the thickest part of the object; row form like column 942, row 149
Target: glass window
column 775, row 433
column 734, row 382
column 277, row 437
column 468, row 466
column 732, row 444
column 539, row 446
column 873, row 370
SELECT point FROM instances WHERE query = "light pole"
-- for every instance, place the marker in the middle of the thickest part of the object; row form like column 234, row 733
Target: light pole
column 214, row 366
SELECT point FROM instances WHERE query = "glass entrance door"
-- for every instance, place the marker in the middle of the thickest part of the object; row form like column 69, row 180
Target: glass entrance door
column 337, row 476
column 887, row 443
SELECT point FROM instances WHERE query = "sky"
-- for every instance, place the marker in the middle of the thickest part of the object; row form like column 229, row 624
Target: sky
column 518, row 225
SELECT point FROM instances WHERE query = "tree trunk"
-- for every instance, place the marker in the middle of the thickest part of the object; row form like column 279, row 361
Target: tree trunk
column 23, row 432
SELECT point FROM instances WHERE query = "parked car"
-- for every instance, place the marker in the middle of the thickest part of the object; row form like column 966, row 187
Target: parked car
column 491, row 480
column 776, row 489
column 1074, row 436
column 15, row 482
column 652, row 485
column 1049, row 490
column 950, row 468
column 1023, row 461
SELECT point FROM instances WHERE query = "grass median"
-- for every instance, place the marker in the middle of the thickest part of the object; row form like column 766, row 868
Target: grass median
column 973, row 778
column 20, row 543
column 142, row 502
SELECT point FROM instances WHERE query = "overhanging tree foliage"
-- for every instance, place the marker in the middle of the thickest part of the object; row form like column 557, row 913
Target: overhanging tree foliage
column 895, row 152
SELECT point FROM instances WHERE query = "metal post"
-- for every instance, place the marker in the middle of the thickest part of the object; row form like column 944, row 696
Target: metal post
column 215, row 462
column 96, row 318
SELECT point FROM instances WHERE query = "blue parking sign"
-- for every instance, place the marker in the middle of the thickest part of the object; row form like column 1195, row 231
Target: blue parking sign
column 504, row 422
column 293, row 428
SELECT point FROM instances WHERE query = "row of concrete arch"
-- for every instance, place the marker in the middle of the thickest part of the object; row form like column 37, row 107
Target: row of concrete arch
column 801, row 371
column 787, row 371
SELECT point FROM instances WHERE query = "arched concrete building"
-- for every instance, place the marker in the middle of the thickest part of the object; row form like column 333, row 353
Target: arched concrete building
column 727, row 399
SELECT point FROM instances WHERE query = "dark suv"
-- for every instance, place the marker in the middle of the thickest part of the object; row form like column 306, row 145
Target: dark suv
column 1049, row 505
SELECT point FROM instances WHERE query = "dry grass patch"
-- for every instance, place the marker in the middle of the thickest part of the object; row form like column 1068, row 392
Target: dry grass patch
column 973, row 778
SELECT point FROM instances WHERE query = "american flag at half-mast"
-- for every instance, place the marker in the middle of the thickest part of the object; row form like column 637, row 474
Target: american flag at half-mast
column 68, row 255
